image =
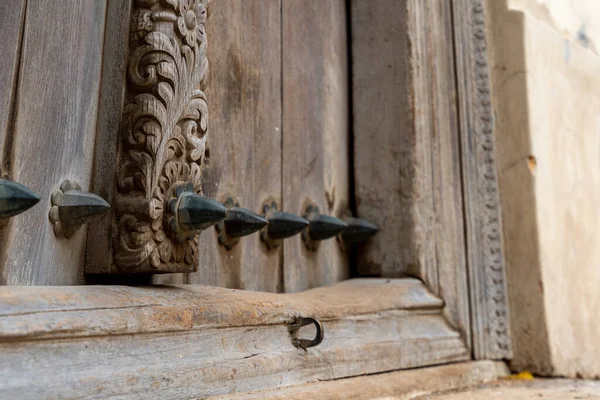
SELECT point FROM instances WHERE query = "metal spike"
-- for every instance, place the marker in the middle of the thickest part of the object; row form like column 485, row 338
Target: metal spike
column 72, row 207
column 77, row 207
column 15, row 198
column 242, row 222
column 196, row 213
column 324, row 227
column 358, row 230
column 283, row 225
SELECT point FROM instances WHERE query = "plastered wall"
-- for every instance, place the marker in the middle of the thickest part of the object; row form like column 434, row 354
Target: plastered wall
column 546, row 81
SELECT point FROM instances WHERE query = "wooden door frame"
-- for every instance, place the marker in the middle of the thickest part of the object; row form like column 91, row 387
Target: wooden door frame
column 487, row 275
column 202, row 341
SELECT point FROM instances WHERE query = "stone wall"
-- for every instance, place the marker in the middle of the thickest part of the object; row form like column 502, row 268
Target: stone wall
column 545, row 74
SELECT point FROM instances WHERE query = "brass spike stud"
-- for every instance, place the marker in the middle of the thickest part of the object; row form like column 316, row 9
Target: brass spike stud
column 239, row 222
column 321, row 227
column 193, row 213
column 72, row 207
column 282, row 225
column 358, row 230
column 15, row 198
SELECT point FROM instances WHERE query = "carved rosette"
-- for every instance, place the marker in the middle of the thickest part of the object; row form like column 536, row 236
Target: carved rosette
column 163, row 133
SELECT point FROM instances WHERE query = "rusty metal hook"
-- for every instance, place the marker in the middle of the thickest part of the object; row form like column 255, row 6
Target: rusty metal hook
column 305, row 343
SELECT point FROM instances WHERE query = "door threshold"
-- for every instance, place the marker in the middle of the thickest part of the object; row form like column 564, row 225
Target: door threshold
column 397, row 385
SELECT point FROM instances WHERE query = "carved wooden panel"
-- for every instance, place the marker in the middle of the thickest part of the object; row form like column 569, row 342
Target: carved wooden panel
column 162, row 141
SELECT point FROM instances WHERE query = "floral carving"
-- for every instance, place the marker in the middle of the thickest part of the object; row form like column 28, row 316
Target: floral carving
column 163, row 133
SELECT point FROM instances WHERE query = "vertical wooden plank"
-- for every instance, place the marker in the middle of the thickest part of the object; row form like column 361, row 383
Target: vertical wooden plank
column 53, row 133
column 487, row 276
column 11, row 22
column 11, row 35
column 406, row 147
column 315, row 132
column 110, row 108
column 436, row 98
column 244, row 95
column 390, row 153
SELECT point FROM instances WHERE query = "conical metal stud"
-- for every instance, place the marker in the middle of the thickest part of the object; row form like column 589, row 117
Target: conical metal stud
column 243, row 222
column 15, row 198
column 72, row 207
column 282, row 225
column 358, row 230
column 197, row 213
column 239, row 222
column 189, row 213
column 324, row 227
column 321, row 227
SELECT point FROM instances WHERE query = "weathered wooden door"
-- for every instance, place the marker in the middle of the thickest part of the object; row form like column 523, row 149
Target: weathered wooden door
column 279, row 126
column 380, row 112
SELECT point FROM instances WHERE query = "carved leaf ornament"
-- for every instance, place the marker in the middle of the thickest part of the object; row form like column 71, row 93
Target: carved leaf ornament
column 163, row 133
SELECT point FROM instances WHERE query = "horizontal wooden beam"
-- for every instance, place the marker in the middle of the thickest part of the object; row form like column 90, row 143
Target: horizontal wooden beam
column 397, row 385
column 57, row 312
column 194, row 341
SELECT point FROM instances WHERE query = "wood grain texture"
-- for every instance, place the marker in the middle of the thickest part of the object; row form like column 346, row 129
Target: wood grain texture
column 315, row 132
column 53, row 134
column 162, row 137
column 188, row 341
column 99, row 252
column 487, row 279
column 385, row 157
column 11, row 25
column 71, row 312
column 399, row 385
column 436, row 120
column 216, row 362
column 245, row 146
column 407, row 147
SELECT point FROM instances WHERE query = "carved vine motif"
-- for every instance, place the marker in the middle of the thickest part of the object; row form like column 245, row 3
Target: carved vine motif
column 163, row 133
column 487, row 183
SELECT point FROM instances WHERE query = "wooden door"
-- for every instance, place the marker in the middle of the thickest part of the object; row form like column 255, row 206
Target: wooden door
column 351, row 108
column 279, row 128
column 279, row 131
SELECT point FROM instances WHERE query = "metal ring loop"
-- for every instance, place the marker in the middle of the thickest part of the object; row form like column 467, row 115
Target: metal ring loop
column 305, row 343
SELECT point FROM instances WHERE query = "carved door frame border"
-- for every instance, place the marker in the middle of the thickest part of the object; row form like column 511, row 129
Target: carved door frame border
column 58, row 322
column 487, row 276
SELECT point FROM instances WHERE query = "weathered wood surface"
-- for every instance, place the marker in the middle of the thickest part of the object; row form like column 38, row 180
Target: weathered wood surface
column 406, row 146
column 436, row 118
column 244, row 91
column 113, row 310
column 11, row 33
column 487, row 277
column 385, row 159
column 315, row 132
column 399, row 385
column 216, row 362
column 54, row 133
column 162, row 138
column 11, row 27
column 181, row 342
column 99, row 253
